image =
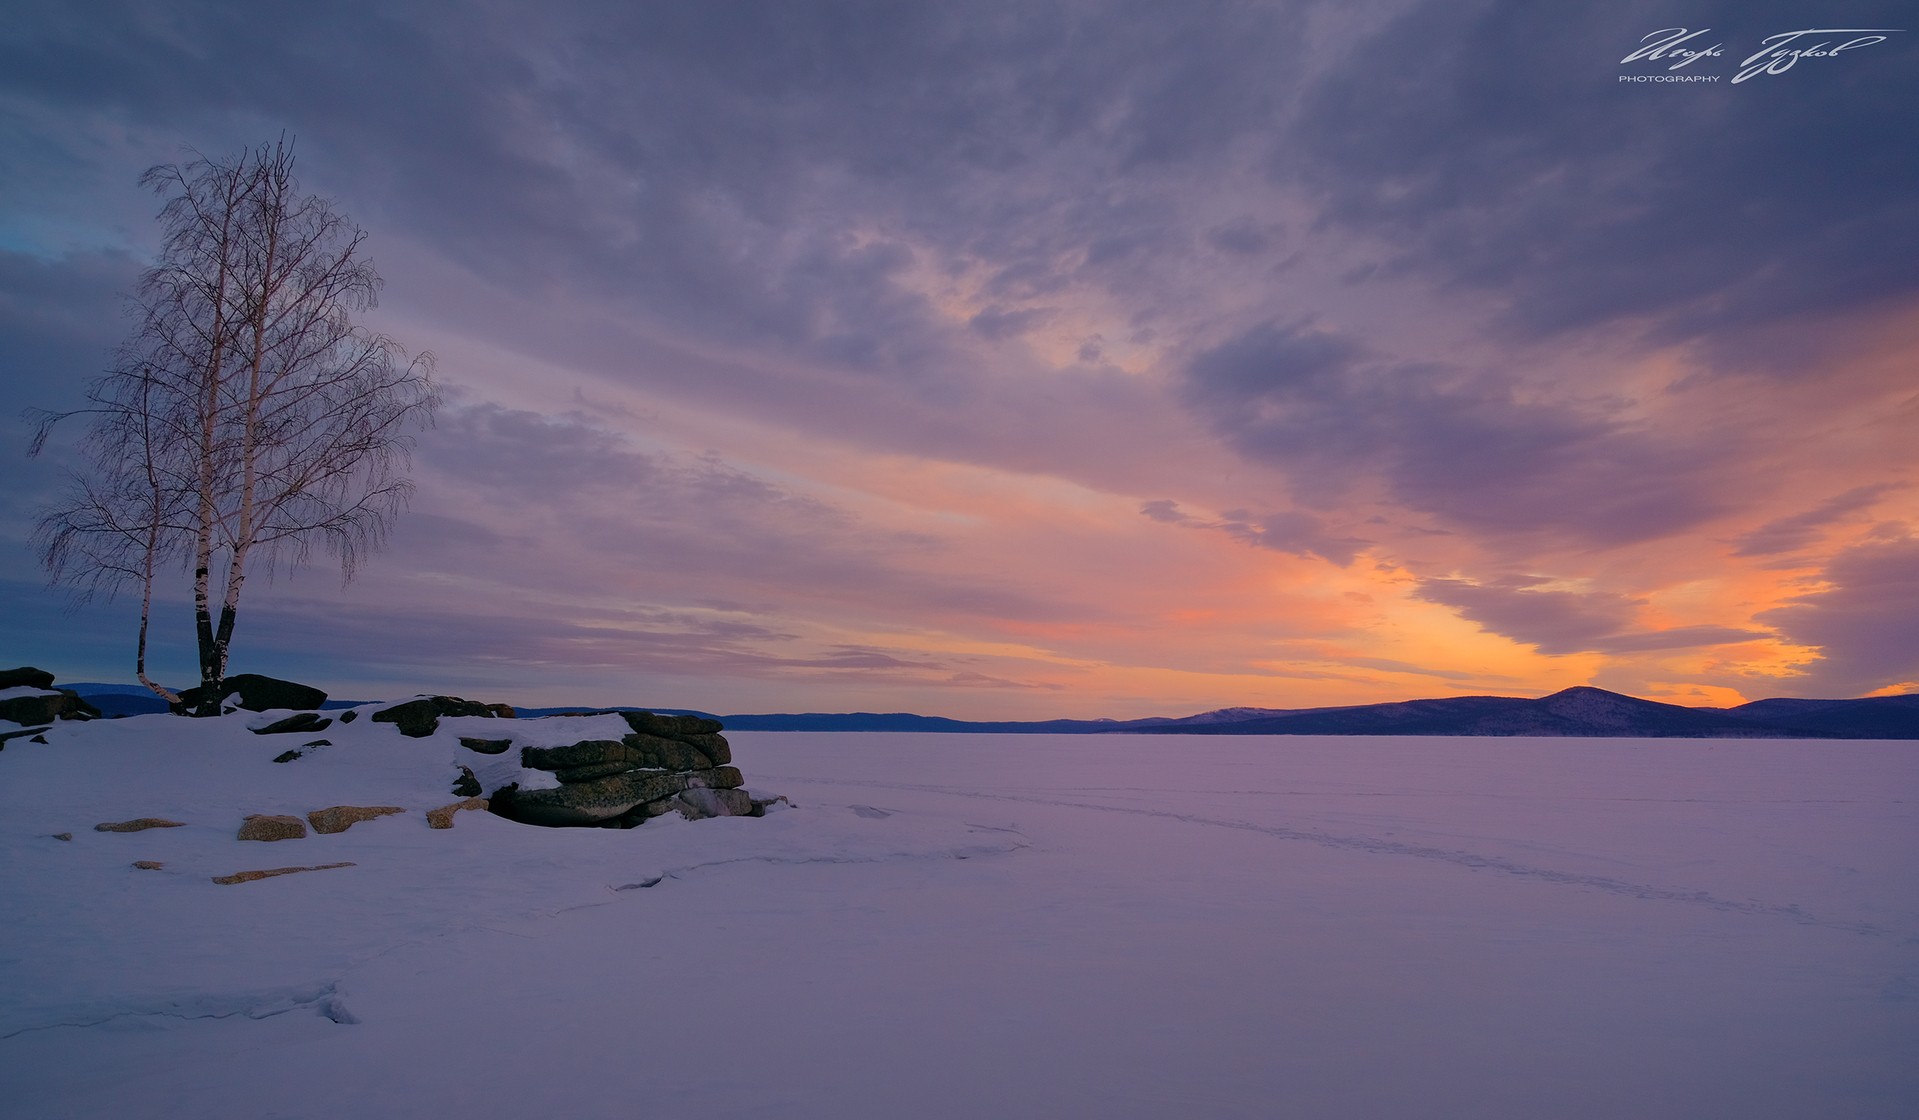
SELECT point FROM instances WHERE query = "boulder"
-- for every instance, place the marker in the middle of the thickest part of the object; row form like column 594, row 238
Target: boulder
column 286, row 756
column 420, row 717
column 45, row 707
column 443, row 816
column 269, row 827
column 26, row 676
column 263, row 694
column 466, row 785
column 699, row 804
column 415, row 718
column 268, row 873
column 255, row 693
column 485, row 746
column 339, row 818
column 138, row 824
column 148, row 864
column 297, row 722
column 604, row 799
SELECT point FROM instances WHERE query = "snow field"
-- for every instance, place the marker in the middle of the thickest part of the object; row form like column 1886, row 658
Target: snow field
column 961, row 925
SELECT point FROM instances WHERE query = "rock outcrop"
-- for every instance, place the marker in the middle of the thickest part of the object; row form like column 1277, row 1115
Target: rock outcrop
column 27, row 696
column 665, row 764
column 26, row 676
column 256, row 693
column 420, row 717
column 297, row 722
column 138, row 824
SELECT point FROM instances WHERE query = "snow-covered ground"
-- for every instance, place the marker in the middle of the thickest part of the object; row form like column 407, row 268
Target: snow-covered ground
column 975, row 926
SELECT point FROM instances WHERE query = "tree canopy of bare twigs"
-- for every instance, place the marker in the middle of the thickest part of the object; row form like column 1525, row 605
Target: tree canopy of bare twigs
column 246, row 420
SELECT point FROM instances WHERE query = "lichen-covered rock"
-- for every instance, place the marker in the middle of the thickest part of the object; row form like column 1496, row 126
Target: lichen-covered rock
column 699, row 804
column 586, row 752
column 297, row 722
column 640, row 814
column 593, row 770
column 601, row 800
column 262, row 826
column 672, row 727
column 593, row 758
column 339, row 818
column 443, row 816
column 138, row 824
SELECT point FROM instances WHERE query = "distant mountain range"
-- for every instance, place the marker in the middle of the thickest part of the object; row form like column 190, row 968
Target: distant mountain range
column 1581, row 711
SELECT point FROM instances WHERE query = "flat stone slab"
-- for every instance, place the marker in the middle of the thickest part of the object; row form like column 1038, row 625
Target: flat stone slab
column 443, row 816
column 268, row 873
column 339, row 818
column 138, row 824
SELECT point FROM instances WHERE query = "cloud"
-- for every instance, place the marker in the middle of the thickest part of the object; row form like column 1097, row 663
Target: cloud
column 1464, row 448
column 1561, row 622
column 1863, row 622
column 572, row 505
column 1491, row 145
column 1800, row 530
column 1292, row 531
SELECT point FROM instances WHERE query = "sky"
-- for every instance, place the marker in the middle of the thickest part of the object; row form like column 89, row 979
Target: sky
column 1042, row 359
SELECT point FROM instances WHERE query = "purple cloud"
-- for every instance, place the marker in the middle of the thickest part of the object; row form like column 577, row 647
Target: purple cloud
column 1560, row 622
column 1863, row 623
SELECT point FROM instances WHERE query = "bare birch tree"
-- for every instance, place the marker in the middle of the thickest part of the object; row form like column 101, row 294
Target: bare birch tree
column 247, row 419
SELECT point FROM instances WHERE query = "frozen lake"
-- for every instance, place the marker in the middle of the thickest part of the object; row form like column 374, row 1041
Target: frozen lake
column 975, row 926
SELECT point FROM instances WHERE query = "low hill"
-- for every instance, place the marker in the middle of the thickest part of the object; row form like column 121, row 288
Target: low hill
column 1578, row 711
